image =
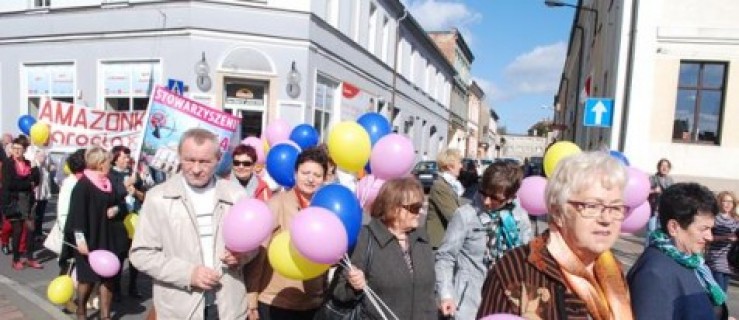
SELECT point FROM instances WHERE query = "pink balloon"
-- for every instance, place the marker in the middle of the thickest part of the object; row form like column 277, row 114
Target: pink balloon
column 247, row 225
column 392, row 157
column 636, row 218
column 278, row 131
column 367, row 190
column 502, row 316
column 258, row 145
column 319, row 235
column 104, row 263
column 531, row 195
column 637, row 187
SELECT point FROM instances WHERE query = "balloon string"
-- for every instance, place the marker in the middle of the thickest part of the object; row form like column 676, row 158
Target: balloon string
column 374, row 298
column 366, row 190
column 64, row 242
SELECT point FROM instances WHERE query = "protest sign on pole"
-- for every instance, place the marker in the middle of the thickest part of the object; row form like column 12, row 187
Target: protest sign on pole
column 168, row 117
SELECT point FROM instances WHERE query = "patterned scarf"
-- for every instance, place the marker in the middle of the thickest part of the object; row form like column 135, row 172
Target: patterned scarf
column 502, row 234
column 660, row 240
column 603, row 290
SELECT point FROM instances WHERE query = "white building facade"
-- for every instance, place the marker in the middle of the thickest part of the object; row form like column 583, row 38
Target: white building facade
column 304, row 61
column 672, row 69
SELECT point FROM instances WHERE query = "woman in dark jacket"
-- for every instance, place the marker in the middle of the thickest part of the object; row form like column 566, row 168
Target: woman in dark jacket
column 19, row 179
column 125, row 192
column 400, row 267
column 92, row 207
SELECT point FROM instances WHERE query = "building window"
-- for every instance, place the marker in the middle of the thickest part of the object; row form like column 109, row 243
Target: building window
column 325, row 100
column 332, row 13
column 247, row 99
column 385, row 39
column 127, row 85
column 372, row 34
column 699, row 106
column 41, row 3
column 56, row 81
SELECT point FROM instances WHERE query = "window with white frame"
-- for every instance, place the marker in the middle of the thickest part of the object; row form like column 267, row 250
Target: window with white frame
column 427, row 79
column 399, row 54
column 53, row 80
column 325, row 99
column 41, row 3
column 126, row 85
column 372, row 24
column 332, row 13
column 385, row 39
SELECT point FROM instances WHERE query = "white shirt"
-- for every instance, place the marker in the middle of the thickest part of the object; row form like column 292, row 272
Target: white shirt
column 203, row 200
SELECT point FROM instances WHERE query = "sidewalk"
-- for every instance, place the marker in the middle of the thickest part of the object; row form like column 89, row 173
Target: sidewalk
column 18, row 302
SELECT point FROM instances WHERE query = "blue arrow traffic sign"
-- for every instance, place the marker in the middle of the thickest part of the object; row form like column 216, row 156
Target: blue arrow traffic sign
column 176, row 86
column 598, row 112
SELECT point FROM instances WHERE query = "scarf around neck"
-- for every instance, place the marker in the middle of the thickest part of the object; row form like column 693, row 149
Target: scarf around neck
column 502, row 234
column 604, row 290
column 22, row 169
column 453, row 182
column 660, row 240
column 100, row 180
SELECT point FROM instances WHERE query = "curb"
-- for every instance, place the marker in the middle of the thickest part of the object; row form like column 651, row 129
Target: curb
column 28, row 294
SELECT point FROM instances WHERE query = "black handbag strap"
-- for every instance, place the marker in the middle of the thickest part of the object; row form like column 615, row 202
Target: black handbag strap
column 559, row 297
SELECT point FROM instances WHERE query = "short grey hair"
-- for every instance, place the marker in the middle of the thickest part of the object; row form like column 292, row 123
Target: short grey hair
column 577, row 173
column 200, row 136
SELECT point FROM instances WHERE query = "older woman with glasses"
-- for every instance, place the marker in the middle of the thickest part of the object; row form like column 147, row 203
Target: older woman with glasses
column 478, row 235
column 670, row 280
column 242, row 171
column 569, row 271
column 393, row 256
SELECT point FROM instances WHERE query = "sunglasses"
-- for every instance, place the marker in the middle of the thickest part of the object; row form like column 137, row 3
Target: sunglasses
column 243, row 163
column 413, row 207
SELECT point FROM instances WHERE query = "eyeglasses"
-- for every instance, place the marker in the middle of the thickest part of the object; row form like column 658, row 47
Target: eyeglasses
column 493, row 196
column 594, row 209
column 413, row 207
column 243, row 163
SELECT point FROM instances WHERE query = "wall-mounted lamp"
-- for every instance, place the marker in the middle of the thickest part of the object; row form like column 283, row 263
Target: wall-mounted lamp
column 202, row 70
column 293, row 82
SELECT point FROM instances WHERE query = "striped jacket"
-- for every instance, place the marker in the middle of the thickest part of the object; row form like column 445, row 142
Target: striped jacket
column 528, row 282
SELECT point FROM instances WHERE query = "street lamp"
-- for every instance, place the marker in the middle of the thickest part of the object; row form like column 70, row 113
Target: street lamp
column 559, row 3
column 202, row 70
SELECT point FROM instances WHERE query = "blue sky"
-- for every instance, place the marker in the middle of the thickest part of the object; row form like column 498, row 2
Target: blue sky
column 519, row 48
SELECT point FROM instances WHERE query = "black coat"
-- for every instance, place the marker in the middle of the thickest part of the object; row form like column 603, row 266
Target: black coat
column 120, row 236
column 88, row 207
column 14, row 184
column 409, row 296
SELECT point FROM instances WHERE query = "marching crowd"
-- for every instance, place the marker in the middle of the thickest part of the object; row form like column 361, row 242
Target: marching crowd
column 474, row 254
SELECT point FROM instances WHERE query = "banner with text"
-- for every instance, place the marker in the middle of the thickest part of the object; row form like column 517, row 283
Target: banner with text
column 169, row 116
column 74, row 126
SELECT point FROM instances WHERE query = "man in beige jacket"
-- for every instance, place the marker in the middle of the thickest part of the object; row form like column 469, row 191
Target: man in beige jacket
column 179, row 242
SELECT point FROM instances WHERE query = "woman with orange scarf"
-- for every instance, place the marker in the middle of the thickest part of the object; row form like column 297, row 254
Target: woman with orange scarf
column 569, row 272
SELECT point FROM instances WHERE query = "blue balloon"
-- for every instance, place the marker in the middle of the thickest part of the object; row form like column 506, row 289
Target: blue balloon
column 224, row 166
column 25, row 122
column 281, row 164
column 375, row 124
column 305, row 136
column 620, row 157
column 342, row 202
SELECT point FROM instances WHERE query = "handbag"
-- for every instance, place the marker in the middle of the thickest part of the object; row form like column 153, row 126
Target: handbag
column 336, row 310
column 733, row 255
column 55, row 238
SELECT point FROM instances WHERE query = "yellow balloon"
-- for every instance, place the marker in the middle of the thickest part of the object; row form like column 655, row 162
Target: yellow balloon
column 39, row 133
column 289, row 263
column 60, row 290
column 67, row 171
column 130, row 222
column 557, row 152
column 349, row 146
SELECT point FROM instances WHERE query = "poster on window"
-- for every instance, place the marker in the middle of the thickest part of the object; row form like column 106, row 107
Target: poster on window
column 38, row 81
column 116, row 80
column 355, row 102
column 62, row 81
column 142, row 78
column 169, row 116
column 74, row 126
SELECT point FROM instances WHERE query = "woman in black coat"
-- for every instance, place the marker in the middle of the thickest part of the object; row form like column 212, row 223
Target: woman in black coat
column 91, row 210
column 400, row 265
column 19, row 179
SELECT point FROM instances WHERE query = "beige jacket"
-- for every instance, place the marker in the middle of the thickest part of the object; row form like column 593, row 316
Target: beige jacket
column 166, row 246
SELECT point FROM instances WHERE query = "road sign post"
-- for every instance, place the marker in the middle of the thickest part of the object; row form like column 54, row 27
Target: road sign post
column 598, row 112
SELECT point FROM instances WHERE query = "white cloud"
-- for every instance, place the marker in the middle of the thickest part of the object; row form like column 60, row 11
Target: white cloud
column 441, row 15
column 537, row 71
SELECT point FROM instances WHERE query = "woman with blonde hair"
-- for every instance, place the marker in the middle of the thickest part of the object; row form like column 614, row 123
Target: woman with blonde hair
column 569, row 272
column 92, row 207
column 445, row 195
column 724, row 235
